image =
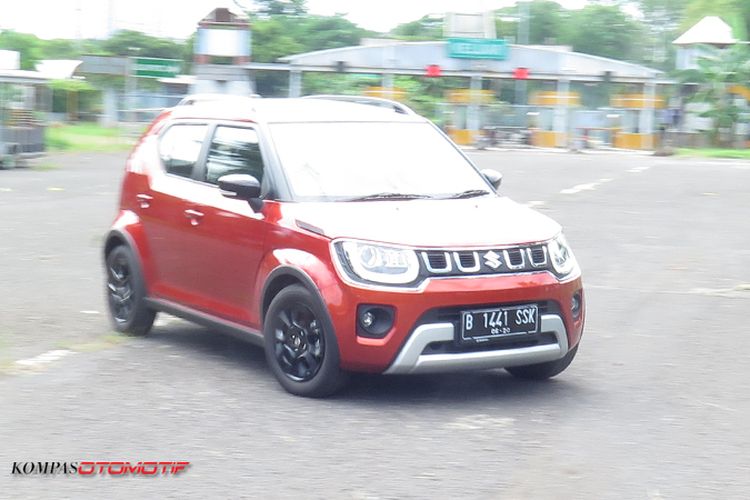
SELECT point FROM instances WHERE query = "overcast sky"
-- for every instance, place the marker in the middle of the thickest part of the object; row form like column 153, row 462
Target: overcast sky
column 178, row 18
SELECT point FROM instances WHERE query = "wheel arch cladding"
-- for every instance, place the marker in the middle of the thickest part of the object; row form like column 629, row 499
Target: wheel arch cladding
column 282, row 277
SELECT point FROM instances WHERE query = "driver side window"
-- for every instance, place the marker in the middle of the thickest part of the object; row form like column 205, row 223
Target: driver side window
column 234, row 150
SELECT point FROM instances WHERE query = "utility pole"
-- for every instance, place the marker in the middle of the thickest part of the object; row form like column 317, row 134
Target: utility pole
column 523, row 39
column 523, row 23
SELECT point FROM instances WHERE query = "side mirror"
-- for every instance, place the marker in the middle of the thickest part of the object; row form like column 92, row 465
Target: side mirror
column 241, row 187
column 493, row 176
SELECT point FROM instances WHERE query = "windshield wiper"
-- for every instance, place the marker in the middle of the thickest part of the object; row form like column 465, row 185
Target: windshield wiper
column 390, row 196
column 471, row 193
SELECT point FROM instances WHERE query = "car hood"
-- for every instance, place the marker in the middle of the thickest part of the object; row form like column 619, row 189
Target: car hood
column 486, row 221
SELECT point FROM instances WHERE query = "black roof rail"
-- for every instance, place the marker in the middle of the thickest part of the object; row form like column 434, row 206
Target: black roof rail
column 370, row 101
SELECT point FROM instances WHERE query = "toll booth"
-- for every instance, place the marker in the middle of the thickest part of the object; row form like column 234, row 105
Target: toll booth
column 464, row 114
column 633, row 116
column 392, row 93
column 550, row 124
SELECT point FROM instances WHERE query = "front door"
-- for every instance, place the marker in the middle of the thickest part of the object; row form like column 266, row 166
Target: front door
column 226, row 243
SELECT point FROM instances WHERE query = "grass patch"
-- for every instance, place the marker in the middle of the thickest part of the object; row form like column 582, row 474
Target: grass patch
column 87, row 137
column 741, row 154
column 103, row 342
column 43, row 166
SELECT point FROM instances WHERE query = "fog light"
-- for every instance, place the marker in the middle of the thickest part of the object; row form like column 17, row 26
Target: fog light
column 374, row 321
column 368, row 319
column 575, row 305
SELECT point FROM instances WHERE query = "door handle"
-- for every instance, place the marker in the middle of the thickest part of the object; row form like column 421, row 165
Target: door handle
column 144, row 200
column 194, row 216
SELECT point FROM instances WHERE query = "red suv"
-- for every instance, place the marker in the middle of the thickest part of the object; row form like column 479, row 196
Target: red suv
column 342, row 234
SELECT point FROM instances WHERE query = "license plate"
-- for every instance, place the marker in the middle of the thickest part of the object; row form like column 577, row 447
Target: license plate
column 482, row 325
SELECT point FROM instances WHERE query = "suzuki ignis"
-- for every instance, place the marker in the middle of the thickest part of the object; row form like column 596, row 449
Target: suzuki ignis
column 343, row 235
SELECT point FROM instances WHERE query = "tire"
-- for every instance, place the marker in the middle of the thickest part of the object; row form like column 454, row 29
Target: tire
column 543, row 371
column 126, row 293
column 300, row 344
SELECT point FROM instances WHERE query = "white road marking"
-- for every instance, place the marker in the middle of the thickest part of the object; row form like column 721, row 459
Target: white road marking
column 638, row 170
column 585, row 187
column 534, row 203
column 89, row 312
column 481, row 421
column 5, row 190
column 739, row 291
column 166, row 319
column 714, row 405
column 55, row 189
column 43, row 359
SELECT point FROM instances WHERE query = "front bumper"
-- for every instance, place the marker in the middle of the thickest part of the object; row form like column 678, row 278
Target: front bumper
column 436, row 309
column 414, row 358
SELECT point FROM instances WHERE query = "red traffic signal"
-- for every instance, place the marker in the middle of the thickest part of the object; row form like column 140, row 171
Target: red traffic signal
column 521, row 73
column 434, row 70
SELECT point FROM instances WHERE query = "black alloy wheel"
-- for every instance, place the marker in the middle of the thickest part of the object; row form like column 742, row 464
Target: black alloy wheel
column 120, row 288
column 126, row 293
column 301, row 345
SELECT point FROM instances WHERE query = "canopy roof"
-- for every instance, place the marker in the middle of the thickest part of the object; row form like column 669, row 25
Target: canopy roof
column 710, row 30
column 543, row 62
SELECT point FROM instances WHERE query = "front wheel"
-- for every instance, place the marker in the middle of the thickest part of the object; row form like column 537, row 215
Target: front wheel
column 300, row 344
column 543, row 371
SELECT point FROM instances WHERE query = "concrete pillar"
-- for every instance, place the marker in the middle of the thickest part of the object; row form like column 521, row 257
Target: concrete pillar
column 561, row 113
column 472, row 112
column 109, row 108
column 646, row 122
column 388, row 81
column 295, row 83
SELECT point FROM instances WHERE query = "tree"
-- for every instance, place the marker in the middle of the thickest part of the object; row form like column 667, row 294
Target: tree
column 717, row 72
column 546, row 22
column 132, row 43
column 329, row 32
column 661, row 19
column 280, row 7
column 283, row 35
column 427, row 28
column 59, row 49
column 604, row 30
column 734, row 12
column 28, row 46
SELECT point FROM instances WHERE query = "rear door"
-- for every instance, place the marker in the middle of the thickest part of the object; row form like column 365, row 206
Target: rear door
column 167, row 211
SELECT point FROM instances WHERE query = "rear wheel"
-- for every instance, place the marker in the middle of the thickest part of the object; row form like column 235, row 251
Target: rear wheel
column 543, row 371
column 300, row 344
column 126, row 293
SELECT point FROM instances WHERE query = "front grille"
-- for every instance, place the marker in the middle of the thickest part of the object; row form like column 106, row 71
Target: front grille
column 527, row 258
column 438, row 260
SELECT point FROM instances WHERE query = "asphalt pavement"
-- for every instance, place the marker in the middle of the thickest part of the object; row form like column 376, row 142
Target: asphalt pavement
column 653, row 407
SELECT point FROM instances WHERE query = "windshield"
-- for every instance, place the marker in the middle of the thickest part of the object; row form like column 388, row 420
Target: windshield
column 372, row 161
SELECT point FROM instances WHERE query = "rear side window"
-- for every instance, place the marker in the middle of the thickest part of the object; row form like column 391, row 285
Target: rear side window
column 234, row 150
column 180, row 148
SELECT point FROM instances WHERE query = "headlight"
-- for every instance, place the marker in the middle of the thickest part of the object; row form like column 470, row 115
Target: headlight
column 561, row 256
column 378, row 263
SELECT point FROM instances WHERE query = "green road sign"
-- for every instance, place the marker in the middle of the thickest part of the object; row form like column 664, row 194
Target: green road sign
column 151, row 67
column 477, row 48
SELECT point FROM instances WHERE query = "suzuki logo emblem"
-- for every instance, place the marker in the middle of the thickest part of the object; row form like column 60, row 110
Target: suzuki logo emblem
column 492, row 259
